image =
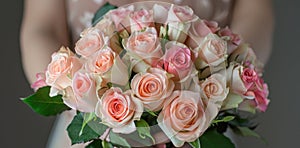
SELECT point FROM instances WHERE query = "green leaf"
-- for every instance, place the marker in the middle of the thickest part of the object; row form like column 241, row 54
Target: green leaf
column 117, row 140
column 212, row 139
column 106, row 144
column 102, row 11
column 195, row 144
column 143, row 129
column 151, row 112
column 245, row 131
column 43, row 104
column 232, row 101
column 225, row 119
column 91, row 131
column 95, row 144
column 87, row 117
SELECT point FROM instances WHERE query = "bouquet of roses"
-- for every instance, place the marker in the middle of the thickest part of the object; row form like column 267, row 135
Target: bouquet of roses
column 150, row 68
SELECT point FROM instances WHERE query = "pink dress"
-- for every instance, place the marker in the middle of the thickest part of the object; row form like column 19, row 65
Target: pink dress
column 80, row 14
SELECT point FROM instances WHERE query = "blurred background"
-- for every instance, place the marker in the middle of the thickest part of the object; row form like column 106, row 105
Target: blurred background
column 280, row 125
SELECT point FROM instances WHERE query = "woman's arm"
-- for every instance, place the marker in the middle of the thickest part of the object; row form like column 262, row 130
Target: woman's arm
column 43, row 31
column 253, row 20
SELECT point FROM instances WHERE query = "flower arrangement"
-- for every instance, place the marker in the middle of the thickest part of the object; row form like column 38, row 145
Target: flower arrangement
column 149, row 68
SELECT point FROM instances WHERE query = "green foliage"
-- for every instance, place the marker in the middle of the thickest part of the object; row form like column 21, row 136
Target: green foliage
column 102, row 11
column 143, row 129
column 43, row 104
column 95, row 144
column 232, row 101
column 116, row 139
column 212, row 139
column 224, row 119
column 91, row 131
column 195, row 144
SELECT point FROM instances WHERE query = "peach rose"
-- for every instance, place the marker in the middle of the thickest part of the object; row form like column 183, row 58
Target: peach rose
column 61, row 69
column 119, row 110
column 141, row 19
column 177, row 60
column 184, row 117
column 109, row 65
column 212, row 50
column 214, row 88
column 145, row 45
column 91, row 41
column 152, row 88
column 200, row 29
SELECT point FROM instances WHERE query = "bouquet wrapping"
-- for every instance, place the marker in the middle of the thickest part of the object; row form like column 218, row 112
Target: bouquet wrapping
column 149, row 69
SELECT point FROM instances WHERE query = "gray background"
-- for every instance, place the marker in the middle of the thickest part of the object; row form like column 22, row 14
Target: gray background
column 280, row 125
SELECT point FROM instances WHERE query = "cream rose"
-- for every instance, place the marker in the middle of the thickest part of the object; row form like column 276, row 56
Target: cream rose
column 184, row 117
column 214, row 89
column 141, row 19
column 199, row 30
column 212, row 50
column 145, row 45
column 92, row 40
column 85, row 87
column 61, row 70
column 120, row 17
column 119, row 110
column 152, row 88
column 179, row 21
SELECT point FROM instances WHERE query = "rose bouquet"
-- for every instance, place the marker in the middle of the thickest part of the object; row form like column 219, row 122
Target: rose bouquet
column 153, row 68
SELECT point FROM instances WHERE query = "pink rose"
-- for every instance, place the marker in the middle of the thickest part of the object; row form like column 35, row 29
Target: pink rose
column 61, row 69
column 177, row 60
column 260, row 101
column 109, row 65
column 141, row 19
column 249, row 77
column 145, row 45
column 200, row 29
column 242, row 80
column 40, row 81
column 152, row 88
column 119, row 110
column 91, row 41
column 179, row 21
column 214, row 88
column 184, row 117
column 234, row 39
column 261, row 94
column 120, row 17
column 212, row 50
